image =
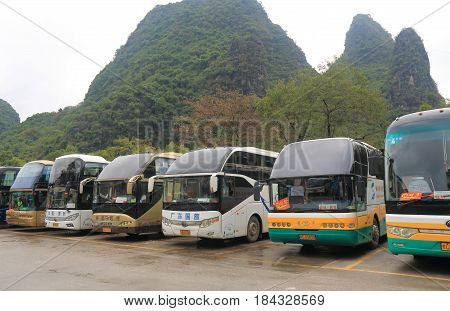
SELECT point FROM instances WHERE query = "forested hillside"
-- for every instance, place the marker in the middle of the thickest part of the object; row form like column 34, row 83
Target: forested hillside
column 369, row 47
column 228, row 54
column 400, row 69
column 8, row 116
column 410, row 82
column 179, row 51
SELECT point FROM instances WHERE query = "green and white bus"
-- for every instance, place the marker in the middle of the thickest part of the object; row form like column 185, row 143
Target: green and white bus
column 418, row 184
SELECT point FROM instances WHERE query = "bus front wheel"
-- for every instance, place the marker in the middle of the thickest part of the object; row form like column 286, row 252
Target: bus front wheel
column 253, row 229
column 375, row 235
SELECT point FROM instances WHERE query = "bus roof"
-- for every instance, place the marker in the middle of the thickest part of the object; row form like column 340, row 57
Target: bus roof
column 210, row 160
column 436, row 114
column 43, row 162
column 320, row 157
column 125, row 167
column 85, row 158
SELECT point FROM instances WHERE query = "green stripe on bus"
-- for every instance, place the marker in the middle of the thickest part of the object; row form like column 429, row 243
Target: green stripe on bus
column 322, row 237
column 417, row 247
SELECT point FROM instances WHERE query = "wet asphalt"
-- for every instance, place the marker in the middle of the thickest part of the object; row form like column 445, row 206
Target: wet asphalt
column 45, row 259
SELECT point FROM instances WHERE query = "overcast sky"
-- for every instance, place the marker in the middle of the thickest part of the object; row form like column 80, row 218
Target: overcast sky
column 38, row 73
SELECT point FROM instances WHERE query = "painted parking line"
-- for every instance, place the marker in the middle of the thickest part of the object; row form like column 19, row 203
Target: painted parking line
column 240, row 258
column 363, row 259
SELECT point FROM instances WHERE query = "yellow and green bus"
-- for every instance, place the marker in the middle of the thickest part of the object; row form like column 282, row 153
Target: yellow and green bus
column 418, row 184
column 28, row 195
column 122, row 202
column 327, row 192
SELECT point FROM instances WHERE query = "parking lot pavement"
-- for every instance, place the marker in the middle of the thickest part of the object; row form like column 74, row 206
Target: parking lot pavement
column 40, row 259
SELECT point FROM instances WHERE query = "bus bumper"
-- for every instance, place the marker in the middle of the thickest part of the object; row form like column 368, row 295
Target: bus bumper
column 25, row 219
column 416, row 247
column 320, row 237
column 211, row 232
column 121, row 223
column 80, row 220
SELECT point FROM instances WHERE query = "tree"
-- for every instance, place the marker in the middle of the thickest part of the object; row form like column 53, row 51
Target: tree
column 225, row 118
column 425, row 106
column 338, row 102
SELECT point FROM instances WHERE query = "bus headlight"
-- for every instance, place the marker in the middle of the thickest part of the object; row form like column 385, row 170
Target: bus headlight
column 72, row 217
column 402, row 232
column 208, row 222
column 166, row 221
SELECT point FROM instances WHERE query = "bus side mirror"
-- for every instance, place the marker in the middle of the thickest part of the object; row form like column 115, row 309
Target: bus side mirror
column 257, row 191
column 213, row 183
column 82, row 184
column 131, row 183
column 151, row 184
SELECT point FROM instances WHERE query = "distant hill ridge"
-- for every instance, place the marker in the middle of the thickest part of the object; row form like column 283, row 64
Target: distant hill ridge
column 8, row 116
column 400, row 68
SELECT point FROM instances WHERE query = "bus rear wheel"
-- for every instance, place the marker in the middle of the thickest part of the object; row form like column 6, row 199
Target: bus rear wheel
column 253, row 229
column 375, row 235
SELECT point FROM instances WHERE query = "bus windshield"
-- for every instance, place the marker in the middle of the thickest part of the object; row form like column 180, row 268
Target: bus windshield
column 193, row 189
column 22, row 201
column 65, row 171
column 417, row 161
column 113, row 192
column 60, row 197
column 313, row 194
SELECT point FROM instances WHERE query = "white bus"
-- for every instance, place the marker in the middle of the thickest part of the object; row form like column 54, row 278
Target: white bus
column 71, row 191
column 208, row 193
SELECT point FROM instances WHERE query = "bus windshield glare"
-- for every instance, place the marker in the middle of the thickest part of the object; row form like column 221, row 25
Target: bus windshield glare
column 113, row 192
column 417, row 161
column 189, row 190
column 313, row 194
column 65, row 171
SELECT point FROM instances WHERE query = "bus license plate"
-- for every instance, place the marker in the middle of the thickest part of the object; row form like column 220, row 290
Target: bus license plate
column 445, row 246
column 106, row 230
column 185, row 232
column 55, row 225
column 308, row 237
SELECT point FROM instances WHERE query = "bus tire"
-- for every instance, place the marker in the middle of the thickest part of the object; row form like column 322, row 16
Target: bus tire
column 375, row 235
column 253, row 229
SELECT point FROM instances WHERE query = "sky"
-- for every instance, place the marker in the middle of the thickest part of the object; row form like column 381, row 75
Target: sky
column 39, row 73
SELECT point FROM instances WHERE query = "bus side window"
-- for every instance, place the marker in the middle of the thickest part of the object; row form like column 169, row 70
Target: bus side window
column 157, row 193
column 150, row 170
column 40, row 200
column 376, row 164
column 235, row 190
column 87, row 196
column 361, row 191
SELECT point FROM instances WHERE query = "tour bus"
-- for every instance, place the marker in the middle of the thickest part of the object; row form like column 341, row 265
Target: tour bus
column 328, row 192
column 208, row 193
column 71, row 191
column 7, row 177
column 122, row 203
column 418, row 184
column 28, row 195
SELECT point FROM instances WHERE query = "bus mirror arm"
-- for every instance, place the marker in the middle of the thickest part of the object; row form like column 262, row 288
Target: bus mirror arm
column 214, row 183
column 131, row 183
column 151, row 184
column 82, row 184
